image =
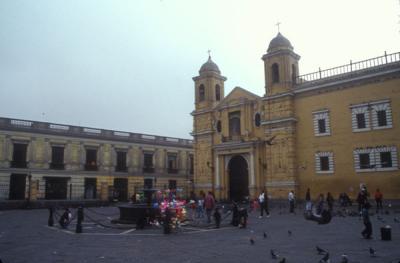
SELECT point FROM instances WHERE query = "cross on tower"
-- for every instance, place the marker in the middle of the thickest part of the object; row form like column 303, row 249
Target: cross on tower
column 277, row 24
column 209, row 53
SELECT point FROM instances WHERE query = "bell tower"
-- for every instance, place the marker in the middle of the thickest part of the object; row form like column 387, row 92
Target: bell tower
column 281, row 66
column 209, row 86
column 209, row 91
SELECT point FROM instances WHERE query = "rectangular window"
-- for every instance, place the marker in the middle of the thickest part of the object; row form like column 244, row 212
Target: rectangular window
column 361, row 123
column 191, row 164
column 360, row 117
column 364, row 161
column 324, row 162
column 321, row 123
column 171, row 162
column 234, row 125
column 148, row 183
column 321, row 126
column 91, row 160
column 381, row 115
column 57, row 158
column 381, row 158
column 382, row 121
column 121, row 162
column 148, row 166
column 172, row 184
column 19, row 156
column 386, row 159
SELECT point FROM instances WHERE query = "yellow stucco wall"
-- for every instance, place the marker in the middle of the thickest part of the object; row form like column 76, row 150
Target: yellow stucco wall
column 343, row 140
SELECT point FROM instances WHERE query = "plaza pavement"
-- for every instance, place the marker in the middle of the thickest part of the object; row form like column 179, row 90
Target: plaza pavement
column 25, row 237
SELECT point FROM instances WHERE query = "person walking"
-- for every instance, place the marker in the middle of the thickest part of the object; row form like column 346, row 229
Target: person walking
column 263, row 200
column 209, row 204
column 291, row 201
column 308, row 200
column 378, row 199
column 367, row 232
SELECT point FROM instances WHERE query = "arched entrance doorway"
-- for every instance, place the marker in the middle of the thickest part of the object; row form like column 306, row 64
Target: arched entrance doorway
column 238, row 178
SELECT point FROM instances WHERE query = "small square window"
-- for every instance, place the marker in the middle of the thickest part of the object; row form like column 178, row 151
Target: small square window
column 324, row 163
column 321, row 126
column 364, row 161
column 382, row 120
column 361, row 124
column 386, row 159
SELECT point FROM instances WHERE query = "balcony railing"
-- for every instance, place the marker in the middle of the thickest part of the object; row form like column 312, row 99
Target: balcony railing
column 91, row 167
column 57, row 166
column 352, row 67
column 232, row 138
column 19, row 164
column 85, row 132
column 122, row 169
column 148, row 169
column 172, row 170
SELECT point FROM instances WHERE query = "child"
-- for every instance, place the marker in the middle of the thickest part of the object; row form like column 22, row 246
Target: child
column 65, row 219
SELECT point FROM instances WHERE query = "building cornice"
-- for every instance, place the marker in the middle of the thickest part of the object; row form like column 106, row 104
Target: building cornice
column 233, row 145
column 278, row 96
column 200, row 133
column 278, row 121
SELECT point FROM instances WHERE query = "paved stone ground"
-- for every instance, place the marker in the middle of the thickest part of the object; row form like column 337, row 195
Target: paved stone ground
column 25, row 237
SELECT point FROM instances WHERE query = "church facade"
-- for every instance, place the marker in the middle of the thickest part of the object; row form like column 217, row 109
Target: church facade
column 329, row 131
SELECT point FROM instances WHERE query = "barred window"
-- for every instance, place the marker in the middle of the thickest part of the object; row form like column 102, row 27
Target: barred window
column 381, row 115
column 321, row 123
column 360, row 118
column 361, row 122
column 382, row 158
column 324, row 163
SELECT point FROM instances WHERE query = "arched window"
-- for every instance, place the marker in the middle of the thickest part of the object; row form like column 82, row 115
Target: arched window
column 294, row 73
column 217, row 92
column 257, row 119
column 202, row 93
column 219, row 126
column 275, row 73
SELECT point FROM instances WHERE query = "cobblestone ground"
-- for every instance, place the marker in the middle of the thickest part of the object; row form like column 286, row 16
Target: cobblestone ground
column 25, row 237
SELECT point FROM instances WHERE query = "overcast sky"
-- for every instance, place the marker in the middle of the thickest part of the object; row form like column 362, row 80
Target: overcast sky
column 128, row 65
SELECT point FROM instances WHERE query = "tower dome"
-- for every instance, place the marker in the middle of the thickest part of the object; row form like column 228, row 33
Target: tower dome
column 279, row 42
column 209, row 66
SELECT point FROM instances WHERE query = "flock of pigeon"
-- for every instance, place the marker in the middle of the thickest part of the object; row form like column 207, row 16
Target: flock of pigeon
column 324, row 253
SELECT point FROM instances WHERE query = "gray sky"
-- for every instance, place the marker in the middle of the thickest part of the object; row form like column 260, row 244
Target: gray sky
column 128, row 65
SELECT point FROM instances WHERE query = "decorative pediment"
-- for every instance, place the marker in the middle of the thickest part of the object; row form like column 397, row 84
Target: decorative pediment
column 237, row 96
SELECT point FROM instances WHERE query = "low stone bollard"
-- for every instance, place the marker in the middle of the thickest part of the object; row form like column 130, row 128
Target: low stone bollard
column 50, row 221
column 80, row 218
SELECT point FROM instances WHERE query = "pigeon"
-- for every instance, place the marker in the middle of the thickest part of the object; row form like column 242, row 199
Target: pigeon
column 289, row 233
column 381, row 219
column 265, row 235
column 273, row 255
column 320, row 250
column 325, row 259
column 372, row 252
column 396, row 220
column 269, row 142
column 252, row 241
column 344, row 259
column 283, row 260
